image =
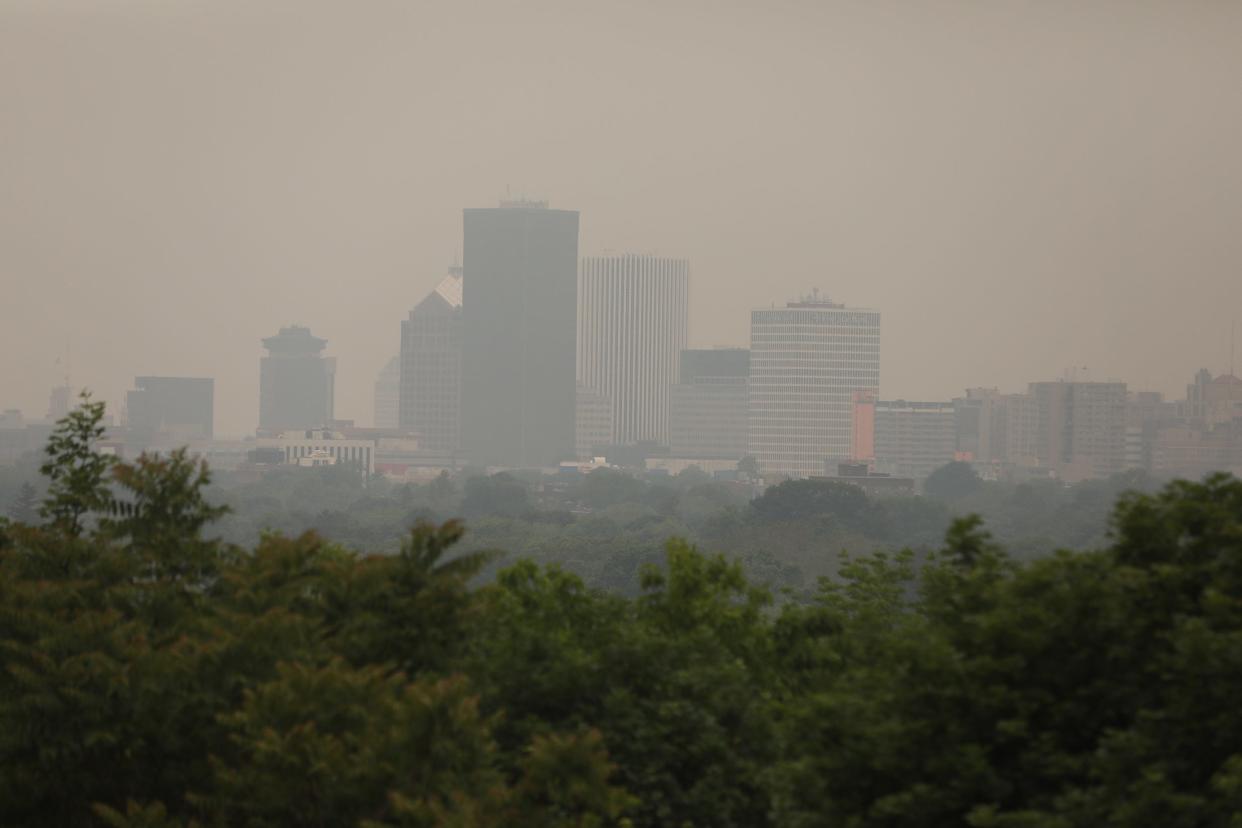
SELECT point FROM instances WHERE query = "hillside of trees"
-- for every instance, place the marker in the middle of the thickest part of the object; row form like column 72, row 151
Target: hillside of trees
column 606, row 525
column 151, row 675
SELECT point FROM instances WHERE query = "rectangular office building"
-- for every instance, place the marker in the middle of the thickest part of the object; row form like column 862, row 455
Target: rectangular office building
column 806, row 361
column 519, row 343
column 913, row 439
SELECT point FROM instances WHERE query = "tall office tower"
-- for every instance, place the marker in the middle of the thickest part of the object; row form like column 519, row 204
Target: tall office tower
column 1082, row 428
column 296, row 383
column 388, row 394
column 708, row 410
column 431, row 340
column 167, row 410
column 633, row 322
column 519, row 334
column 806, row 361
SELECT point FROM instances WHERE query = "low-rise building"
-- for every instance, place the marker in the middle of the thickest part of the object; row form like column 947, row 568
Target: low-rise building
column 296, row 445
column 1192, row 451
column 875, row 484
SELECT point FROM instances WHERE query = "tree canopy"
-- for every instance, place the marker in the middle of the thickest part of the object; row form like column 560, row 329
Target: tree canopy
column 153, row 675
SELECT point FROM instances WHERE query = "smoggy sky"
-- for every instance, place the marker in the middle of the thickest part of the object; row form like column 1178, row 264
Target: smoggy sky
column 1018, row 187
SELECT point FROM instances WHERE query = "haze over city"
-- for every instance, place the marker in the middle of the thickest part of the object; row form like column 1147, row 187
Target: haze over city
column 1019, row 188
column 627, row 413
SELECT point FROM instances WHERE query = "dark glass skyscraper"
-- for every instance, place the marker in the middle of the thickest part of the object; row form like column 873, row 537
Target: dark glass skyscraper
column 520, row 329
column 296, row 383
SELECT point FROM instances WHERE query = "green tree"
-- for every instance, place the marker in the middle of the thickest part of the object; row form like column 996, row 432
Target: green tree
column 952, row 481
column 795, row 500
column 161, row 510
column 499, row 494
column 77, row 474
column 335, row 745
column 441, row 490
column 605, row 487
column 675, row 682
column 409, row 609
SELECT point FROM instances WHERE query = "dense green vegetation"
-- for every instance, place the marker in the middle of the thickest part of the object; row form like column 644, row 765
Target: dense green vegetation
column 153, row 676
column 606, row 525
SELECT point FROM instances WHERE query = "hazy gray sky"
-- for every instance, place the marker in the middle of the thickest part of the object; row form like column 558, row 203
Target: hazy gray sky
column 1018, row 187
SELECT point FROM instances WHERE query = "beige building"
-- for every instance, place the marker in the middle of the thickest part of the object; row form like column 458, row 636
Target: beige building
column 1082, row 428
column 913, row 439
column 592, row 423
column 807, row 360
column 998, row 430
column 1212, row 402
column 1190, row 451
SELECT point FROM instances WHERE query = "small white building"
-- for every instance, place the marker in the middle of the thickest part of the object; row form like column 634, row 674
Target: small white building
column 317, row 458
column 319, row 446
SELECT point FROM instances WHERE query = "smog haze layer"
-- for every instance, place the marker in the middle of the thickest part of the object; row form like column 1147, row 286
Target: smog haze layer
column 1019, row 187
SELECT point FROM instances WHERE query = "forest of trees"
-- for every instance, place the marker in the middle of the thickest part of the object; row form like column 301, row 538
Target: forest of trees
column 606, row 525
column 153, row 674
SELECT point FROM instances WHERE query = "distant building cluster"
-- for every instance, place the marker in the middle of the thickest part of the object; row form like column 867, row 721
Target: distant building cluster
column 1067, row 430
column 530, row 356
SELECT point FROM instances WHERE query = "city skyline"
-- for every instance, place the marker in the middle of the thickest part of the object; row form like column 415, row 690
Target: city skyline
column 1019, row 188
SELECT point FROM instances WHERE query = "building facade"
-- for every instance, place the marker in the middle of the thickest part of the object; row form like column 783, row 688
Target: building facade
column 913, row 439
column 320, row 444
column 519, row 335
column 806, row 361
column 633, row 323
column 1190, row 450
column 388, row 394
column 296, row 382
column 592, row 423
column 431, row 365
column 709, row 407
column 166, row 410
column 1213, row 401
column 1082, row 428
column 997, row 431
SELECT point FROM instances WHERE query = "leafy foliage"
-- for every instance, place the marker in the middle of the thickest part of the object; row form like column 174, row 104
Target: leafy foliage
column 152, row 676
column 952, row 481
column 76, row 472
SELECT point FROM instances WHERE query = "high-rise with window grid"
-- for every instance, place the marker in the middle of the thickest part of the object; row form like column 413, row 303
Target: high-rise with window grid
column 806, row 361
